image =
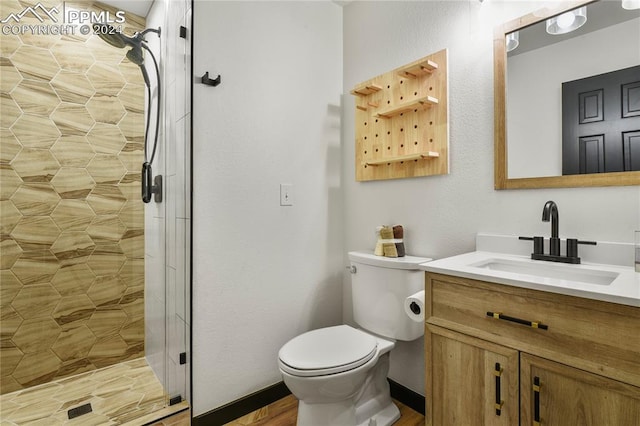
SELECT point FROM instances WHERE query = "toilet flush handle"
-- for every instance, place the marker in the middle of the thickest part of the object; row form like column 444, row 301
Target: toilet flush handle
column 352, row 269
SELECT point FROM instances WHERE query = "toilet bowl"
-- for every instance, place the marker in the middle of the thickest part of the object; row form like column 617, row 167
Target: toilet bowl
column 339, row 374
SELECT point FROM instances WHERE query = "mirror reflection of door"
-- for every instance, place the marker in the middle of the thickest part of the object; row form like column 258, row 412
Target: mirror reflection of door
column 601, row 123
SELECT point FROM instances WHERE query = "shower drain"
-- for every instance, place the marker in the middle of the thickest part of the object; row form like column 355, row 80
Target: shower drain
column 79, row 411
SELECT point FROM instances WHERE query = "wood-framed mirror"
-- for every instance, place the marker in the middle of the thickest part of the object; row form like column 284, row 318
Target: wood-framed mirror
column 530, row 147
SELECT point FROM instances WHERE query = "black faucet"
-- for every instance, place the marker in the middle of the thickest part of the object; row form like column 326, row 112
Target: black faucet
column 550, row 210
column 550, row 213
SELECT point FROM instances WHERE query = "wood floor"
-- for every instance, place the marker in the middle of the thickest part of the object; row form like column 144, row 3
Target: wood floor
column 181, row 419
column 283, row 413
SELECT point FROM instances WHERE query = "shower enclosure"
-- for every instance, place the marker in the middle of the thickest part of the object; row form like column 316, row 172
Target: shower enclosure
column 94, row 283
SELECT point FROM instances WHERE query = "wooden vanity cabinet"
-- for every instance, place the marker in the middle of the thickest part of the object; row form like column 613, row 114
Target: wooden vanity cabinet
column 475, row 378
column 559, row 360
column 569, row 396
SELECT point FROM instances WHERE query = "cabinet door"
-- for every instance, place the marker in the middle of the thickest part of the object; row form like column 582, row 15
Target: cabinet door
column 470, row 381
column 555, row 394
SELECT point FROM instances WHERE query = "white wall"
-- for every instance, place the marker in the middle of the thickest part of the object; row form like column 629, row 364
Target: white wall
column 534, row 86
column 263, row 273
column 442, row 214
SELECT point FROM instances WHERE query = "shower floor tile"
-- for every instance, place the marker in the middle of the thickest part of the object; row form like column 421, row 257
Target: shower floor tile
column 124, row 393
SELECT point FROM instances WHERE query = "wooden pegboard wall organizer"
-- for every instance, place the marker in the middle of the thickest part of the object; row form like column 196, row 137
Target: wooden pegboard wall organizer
column 402, row 121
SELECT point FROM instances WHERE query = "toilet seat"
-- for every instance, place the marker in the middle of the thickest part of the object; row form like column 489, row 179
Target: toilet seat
column 325, row 351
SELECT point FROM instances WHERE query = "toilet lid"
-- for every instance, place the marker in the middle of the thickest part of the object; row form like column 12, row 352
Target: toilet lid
column 327, row 350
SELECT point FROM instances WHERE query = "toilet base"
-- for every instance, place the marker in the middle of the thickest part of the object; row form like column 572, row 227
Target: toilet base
column 386, row 417
column 371, row 406
column 344, row 414
column 374, row 406
column 336, row 413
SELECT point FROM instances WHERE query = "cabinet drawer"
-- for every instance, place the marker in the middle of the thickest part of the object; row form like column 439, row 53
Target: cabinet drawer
column 596, row 336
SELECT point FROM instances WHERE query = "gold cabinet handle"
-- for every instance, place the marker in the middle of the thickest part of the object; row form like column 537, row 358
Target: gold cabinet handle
column 499, row 402
column 536, row 401
column 532, row 324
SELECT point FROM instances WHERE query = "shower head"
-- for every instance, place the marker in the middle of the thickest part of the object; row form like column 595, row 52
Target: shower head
column 113, row 39
column 119, row 40
column 116, row 39
column 137, row 42
column 135, row 55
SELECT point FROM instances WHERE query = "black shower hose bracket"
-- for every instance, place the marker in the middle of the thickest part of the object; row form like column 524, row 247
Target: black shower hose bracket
column 156, row 189
column 209, row 82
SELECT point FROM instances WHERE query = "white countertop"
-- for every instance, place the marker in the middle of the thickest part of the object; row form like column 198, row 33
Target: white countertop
column 568, row 279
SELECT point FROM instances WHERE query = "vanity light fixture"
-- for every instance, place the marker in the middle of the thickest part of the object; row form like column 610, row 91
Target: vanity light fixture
column 631, row 4
column 512, row 40
column 567, row 22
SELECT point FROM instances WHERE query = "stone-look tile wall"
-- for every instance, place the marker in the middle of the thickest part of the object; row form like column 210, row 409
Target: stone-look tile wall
column 72, row 222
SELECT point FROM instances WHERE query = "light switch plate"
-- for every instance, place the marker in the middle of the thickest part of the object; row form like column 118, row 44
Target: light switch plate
column 286, row 194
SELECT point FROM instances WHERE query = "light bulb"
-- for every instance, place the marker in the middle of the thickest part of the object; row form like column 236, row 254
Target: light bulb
column 566, row 19
column 631, row 4
column 512, row 40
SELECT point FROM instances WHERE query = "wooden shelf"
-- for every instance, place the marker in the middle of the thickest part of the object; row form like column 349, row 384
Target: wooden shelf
column 419, row 103
column 366, row 107
column 366, row 89
column 401, row 158
column 402, row 121
column 416, row 70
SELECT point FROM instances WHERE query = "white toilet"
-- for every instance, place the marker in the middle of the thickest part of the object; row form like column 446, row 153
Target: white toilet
column 339, row 374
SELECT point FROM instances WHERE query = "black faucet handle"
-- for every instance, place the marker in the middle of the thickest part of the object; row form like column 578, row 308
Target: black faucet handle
column 572, row 246
column 538, row 243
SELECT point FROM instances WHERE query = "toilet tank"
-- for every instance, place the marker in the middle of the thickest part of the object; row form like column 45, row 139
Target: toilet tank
column 379, row 286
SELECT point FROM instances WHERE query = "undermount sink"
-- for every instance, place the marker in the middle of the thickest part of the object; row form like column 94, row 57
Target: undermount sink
column 547, row 270
column 610, row 282
column 607, row 282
